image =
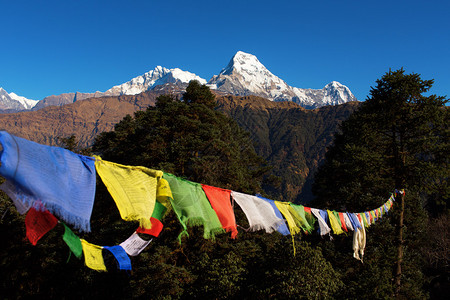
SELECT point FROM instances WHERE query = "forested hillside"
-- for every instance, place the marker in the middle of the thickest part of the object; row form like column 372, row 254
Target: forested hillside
column 292, row 139
column 397, row 139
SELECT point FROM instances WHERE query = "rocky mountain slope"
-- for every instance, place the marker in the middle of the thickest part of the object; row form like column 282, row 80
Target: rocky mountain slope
column 85, row 119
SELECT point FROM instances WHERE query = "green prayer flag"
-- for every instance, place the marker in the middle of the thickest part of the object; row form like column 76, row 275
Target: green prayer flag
column 305, row 220
column 363, row 217
column 72, row 241
column 159, row 211
column 192, row 206
column 310, row 218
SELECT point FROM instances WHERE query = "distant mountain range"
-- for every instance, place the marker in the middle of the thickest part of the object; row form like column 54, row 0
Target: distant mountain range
column 244, row 75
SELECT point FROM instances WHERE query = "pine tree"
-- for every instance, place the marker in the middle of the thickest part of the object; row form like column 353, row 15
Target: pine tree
column 398, row 139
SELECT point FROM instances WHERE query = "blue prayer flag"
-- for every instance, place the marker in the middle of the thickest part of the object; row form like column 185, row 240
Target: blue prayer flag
column 62, row 180
column 123, row 260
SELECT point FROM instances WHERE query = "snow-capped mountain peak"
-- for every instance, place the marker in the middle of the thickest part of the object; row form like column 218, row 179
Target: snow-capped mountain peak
column 338, row 93
column 152, row 78
column 243, row 62
column 246, row 75
column 333, row 93
column 12, row 101
column 27, row 103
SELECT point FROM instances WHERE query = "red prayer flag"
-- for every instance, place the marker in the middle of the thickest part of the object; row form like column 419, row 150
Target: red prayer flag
column 157, row 226
column 38, row 223
column 341, row 217
column 307, row 209
column 360, row 219
column 220, row 202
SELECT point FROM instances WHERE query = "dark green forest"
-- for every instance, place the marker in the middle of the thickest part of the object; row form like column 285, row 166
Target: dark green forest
column 397, row 139
column 292, row 140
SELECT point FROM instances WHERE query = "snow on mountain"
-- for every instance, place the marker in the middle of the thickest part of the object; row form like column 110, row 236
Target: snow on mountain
column 14, row 102
column 159, row 78
column 245, row 75
column 156, row 77
column 27, row 103
column 333, row 93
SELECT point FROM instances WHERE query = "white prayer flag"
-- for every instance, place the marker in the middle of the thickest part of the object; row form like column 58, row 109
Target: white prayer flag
column 260, row 213
column 134, row 244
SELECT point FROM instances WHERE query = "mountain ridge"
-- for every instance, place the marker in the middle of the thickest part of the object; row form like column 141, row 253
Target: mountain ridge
column 243, row 76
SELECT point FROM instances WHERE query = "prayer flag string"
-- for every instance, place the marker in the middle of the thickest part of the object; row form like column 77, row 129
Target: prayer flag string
column 42, row 179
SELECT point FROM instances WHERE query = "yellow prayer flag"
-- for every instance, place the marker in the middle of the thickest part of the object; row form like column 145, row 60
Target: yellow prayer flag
column 366, row 222
column 164, row 193
column 337, row 229
column 290, row 215
column 93, row 256
column 133, row 188
column 286, row 210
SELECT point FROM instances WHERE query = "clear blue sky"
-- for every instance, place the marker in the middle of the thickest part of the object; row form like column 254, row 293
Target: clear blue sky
column 53, row 47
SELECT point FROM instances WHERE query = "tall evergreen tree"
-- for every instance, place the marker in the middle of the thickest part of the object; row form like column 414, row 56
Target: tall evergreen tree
column 398, row 139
